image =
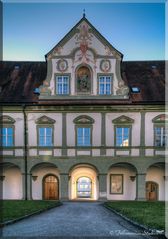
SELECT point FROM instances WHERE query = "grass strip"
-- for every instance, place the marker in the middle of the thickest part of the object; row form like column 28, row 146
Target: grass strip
column 149, row 214
column 14, row 209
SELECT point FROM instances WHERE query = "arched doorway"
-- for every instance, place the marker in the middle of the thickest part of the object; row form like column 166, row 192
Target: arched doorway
column 151, row 191
column 50, row 187
column 84, row 187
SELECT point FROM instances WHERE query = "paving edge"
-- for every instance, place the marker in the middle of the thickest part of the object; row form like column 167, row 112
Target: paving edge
column 146, row 229
column 29, row 215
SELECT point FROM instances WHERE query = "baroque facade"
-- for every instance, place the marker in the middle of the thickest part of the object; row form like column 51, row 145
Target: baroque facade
column 88, row 129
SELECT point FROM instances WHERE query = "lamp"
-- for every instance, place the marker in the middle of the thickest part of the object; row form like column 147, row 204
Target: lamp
column 34, row 177
column 165, row 178
column 2, row 177
column 132, row 178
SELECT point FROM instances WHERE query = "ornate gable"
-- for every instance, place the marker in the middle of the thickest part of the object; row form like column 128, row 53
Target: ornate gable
column 83, row 64
column 83, row 119
column 123, row 120
column 45, row 120
column 5, row 119
column 163, row 118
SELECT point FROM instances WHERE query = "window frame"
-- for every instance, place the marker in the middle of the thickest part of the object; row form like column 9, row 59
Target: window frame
column 157, row 125
column 129, row 137
column 123, row 121
column 158, row 122
column 83, row 121
column 76, row 132
column 38, row 135
column 55, row 83
column 13, row 135
column 98, row 85
column 44, row 122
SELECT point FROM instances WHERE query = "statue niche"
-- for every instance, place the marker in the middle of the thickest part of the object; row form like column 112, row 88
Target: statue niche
column 83, row 81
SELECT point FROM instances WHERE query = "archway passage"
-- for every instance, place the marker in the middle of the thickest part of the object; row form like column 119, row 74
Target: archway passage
column 151, row 191
column 50, row 187
column 84, row 182
column 84, row 187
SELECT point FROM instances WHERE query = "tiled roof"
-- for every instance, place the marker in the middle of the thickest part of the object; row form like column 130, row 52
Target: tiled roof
column 19, row 79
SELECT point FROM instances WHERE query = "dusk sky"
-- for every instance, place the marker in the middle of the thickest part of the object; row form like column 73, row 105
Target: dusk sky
column 30, row 30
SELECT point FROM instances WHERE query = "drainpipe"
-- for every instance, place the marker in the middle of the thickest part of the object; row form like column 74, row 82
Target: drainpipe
column 25, row 148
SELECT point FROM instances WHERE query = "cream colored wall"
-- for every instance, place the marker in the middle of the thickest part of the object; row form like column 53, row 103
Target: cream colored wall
column 129, row 187
column 149, row 132
column 32, row 132
column 135, row 127
column 96, row 133
column 19, row 127
column 37, row 187
column 155, row 174
column 83, row 172
column 12, row 184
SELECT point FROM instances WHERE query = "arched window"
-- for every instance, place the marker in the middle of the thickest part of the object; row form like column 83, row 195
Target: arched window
column 83, row 80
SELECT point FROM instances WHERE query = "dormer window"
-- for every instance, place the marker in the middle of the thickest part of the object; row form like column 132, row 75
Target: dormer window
column 105, row 85
column 62, row 85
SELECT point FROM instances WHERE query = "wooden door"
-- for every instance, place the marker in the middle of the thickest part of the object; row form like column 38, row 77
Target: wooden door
column 151, row 191
column 51, row 188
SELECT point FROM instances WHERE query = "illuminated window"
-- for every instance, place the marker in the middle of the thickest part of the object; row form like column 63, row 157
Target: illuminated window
column 122, row 136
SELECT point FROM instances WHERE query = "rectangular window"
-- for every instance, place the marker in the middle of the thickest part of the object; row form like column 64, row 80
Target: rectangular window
column 45, row 136
column 6, row 136
column 105, row 85
column 116, row 183
column 83, row 136
column 161, row 137
column 62, row 85
column 122, row 136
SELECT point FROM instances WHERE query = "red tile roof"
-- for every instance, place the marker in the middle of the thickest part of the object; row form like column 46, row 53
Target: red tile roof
column 19, row 79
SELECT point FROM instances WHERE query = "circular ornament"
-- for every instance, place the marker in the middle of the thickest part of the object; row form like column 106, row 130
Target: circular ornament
column 105, row 65
column 62, row 65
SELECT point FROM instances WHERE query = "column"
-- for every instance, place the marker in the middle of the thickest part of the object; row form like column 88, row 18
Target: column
column 102, row 187
column 64, row 186
column 64, row 136
column 23, row 186
column 142, row 134
column 103, row 134
column 141, row 187
column 29, row 186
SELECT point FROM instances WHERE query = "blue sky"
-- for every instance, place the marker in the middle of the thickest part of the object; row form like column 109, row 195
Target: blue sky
column 30, row 30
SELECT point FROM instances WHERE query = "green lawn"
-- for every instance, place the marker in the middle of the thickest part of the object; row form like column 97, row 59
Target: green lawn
column 150, row 214
column 12, row 209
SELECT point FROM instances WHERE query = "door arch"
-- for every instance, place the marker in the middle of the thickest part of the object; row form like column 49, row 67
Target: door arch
column 152, row 191
column 84, row 187
column 50, row 187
